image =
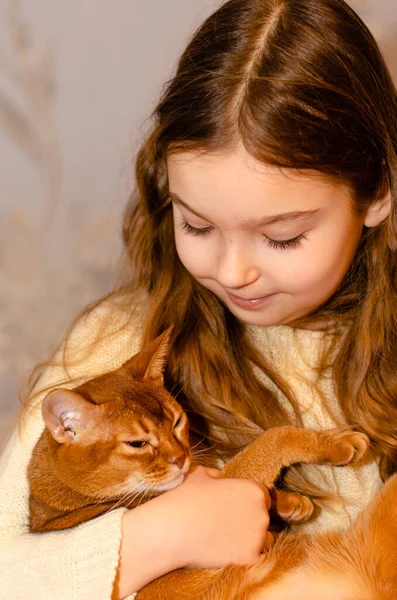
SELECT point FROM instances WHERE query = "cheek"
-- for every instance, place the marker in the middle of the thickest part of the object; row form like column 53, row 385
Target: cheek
column 321, row 266
column 195, row 254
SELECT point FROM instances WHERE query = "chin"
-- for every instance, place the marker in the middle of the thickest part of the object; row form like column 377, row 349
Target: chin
column 257, row 319
column 266, row 318
column 165, row 486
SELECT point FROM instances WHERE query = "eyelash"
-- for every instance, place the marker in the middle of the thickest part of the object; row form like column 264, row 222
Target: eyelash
column 187, row 228
column 285, row 244
column 276, row 244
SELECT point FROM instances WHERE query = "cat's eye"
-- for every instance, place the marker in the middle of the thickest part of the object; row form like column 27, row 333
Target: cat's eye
column 137, row 444
column 179, row 421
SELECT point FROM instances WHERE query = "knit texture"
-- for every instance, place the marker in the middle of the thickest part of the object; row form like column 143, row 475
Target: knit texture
column 81, row 562
column 295, row 353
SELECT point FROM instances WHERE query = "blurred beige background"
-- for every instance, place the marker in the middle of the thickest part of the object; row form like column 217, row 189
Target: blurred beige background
column 78, row 79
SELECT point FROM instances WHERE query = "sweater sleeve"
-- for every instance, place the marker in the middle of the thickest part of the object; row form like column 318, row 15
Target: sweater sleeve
column 80, row 562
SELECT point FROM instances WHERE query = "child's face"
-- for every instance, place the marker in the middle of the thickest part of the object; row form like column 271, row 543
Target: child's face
column 271, row 245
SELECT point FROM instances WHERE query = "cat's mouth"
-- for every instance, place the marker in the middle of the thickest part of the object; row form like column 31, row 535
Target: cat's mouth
column 171, row 481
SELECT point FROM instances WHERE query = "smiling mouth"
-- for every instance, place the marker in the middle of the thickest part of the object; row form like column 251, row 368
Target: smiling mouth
column 249, row 302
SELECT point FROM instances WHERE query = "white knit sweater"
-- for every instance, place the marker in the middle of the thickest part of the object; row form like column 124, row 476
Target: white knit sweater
column 81, row 563
column 295, row 354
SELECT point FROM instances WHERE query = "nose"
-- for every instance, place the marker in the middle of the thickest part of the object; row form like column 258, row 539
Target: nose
column 177, row 459
column 236, row 267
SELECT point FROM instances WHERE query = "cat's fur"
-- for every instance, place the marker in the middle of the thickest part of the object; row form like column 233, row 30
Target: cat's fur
column 84, row 465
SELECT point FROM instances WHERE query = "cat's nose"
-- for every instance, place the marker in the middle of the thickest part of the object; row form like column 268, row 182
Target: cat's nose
column 178, row 459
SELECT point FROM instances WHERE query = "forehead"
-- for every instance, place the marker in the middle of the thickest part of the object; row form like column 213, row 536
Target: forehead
column 211, row 182
column 145, row 414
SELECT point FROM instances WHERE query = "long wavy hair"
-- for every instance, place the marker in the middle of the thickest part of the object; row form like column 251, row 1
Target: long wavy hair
column 301, row 84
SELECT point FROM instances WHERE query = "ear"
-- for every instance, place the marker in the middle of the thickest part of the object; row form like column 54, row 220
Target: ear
column 156, row 365
column 378, row 210
column 149, row 363
column 67, row 414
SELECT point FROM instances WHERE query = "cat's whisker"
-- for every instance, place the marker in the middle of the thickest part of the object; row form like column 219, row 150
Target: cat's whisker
column 126, row 488
column 121, row 502
column 141, row 498
column 188, row 410
column 133, row 493
column 199, row 455
column 200, row 451
column 148, row 490
column 195, row 445
column 91, row 475
column 172, row 389
column 180, row 391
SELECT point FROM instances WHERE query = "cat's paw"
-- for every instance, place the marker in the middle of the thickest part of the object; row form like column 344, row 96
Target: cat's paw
column 291, row 506
column 345, row 446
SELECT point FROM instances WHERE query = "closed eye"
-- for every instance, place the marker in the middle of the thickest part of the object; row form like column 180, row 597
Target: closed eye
column 136, row 444
column 178, row 421
column 285, row 244
column 187, row 228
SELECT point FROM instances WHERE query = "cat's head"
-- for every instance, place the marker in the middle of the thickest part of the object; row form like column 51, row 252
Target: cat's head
column 120, row 433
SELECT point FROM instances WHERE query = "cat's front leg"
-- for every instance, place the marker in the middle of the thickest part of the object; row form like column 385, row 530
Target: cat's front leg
column 284, row 446
column 292, row 507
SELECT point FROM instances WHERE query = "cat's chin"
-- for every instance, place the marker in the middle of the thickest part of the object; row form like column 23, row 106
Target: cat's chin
column 164, row 486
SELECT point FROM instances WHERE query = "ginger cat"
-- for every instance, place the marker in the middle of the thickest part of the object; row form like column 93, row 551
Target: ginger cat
column 94, row 453
column 122, row 435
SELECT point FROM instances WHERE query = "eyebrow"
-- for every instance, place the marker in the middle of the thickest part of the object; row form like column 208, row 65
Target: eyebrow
column 287, row 216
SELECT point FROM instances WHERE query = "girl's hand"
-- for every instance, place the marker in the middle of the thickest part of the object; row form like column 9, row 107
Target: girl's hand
column 205, row 522
column 219, row 521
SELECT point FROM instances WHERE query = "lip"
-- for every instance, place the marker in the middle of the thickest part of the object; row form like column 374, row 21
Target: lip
column 249, row 303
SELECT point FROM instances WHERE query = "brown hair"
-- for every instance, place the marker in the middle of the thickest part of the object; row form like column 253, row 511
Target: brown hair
column 302, row 85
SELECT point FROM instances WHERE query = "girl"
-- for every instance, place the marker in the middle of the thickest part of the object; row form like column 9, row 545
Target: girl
column 264, row 228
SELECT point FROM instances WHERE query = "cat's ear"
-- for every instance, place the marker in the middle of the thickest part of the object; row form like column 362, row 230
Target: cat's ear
column 67, row 414
column 149, row 363
column 161, row 347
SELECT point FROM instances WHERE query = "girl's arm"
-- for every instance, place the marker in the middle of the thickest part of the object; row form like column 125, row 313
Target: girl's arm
column 204, row 523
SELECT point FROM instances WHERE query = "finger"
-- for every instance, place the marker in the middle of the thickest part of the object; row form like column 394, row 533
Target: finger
column 268, row 500
column 213, row 472
column 194, row 468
